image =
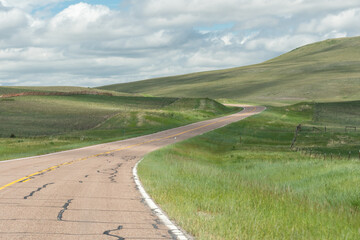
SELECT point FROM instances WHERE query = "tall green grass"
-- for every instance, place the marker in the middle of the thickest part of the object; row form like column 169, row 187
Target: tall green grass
column 244, row 182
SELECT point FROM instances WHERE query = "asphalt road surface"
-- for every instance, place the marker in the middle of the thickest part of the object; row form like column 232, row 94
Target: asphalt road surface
column 88, row 193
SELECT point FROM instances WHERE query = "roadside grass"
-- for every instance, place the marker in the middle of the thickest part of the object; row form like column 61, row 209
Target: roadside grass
column 44, row 124
column 244, row 182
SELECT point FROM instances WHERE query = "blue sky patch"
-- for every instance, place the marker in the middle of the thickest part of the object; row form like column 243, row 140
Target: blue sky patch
column 112, row 4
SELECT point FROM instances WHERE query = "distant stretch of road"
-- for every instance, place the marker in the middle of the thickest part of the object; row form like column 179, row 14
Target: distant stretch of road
column 88, row 193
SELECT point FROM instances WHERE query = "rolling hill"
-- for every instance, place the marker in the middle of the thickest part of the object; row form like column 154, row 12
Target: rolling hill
column 323, row 71
column 52, row 89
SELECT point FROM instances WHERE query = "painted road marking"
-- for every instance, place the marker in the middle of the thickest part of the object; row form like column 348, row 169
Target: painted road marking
column 156, row 209
column 29, row 177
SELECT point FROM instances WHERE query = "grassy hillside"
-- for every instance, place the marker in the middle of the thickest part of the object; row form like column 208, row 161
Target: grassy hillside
column 323, row 71
column 244, row 182
column 44, row 124
column 21, row 89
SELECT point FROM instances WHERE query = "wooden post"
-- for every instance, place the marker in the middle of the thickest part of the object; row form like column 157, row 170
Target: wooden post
column 349, row 154
column 298, row 128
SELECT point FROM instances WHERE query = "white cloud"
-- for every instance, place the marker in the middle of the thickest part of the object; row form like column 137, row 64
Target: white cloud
column 281, row 44
column 93, row 45
column 29, row 5
column 79, row 16
column 11, row 19
column 347, row 20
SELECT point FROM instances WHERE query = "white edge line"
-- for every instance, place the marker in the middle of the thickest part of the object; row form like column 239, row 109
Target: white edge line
column 173, row 229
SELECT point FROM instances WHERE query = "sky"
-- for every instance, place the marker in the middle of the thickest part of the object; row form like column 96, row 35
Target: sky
column 93, row 43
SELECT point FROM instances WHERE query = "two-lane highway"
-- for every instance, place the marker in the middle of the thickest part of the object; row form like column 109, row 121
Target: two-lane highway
column 88, row 193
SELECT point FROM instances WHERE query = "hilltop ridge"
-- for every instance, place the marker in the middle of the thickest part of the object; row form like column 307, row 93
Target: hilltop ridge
column 322, row 71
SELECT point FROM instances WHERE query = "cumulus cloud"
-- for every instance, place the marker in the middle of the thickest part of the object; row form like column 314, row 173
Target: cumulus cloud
column 347, row 20
column 78, row 17
column 11, row 19
column 93, row 44
column 29, row 5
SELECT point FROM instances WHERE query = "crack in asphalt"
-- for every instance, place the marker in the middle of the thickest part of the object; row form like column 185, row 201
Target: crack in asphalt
column 37, row 190
column 106, row 155
column 107, row 232
column 129, row 158
column 65, row 207
column 113, row 174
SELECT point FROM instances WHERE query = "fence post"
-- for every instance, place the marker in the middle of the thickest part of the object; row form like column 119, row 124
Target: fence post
column 349, row 154
column 298, row 128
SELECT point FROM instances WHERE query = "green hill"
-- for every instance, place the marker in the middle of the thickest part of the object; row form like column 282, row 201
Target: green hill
column 323, row 71
column 22, row 89
column 32, row 125
column 30, row 116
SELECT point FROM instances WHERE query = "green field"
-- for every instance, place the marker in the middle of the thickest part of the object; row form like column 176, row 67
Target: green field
column 323, row 71
column 22, row 89
column 42, row 124
column 244, row 182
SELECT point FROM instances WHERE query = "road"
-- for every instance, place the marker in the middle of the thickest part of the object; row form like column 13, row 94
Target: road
column 88, row 193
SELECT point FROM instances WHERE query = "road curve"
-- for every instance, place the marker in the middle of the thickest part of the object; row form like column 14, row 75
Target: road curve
column 88, row 193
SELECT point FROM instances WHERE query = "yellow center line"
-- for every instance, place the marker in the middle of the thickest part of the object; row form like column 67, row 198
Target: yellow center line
column 28, row 177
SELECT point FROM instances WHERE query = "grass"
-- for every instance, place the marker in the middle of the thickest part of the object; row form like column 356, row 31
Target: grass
column 323, row 71
column 44, row 124
column 343, row 113
column 244, row 182
column 21, row 89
